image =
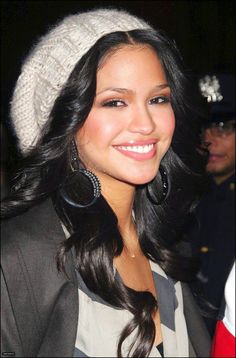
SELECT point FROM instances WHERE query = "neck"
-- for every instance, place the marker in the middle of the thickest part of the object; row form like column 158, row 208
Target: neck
column 120, row 197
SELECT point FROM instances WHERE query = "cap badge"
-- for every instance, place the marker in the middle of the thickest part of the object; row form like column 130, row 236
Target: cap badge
column 210, row 88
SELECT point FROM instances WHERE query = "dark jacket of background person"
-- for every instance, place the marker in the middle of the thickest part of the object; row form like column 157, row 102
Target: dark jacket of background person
column 214, row 244
column 212, row 231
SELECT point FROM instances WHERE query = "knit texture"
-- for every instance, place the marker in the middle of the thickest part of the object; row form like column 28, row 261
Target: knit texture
column 50, row 63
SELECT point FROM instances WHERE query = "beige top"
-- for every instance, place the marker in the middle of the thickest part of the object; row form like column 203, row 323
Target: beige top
column 100, row 324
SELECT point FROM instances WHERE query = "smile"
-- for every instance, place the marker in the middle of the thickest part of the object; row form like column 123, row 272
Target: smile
column 137, row 148
column 138, row 151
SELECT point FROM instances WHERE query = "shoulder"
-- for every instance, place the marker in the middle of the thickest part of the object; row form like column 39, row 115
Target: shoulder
column 38, row 224
column 30, row 244
column 31, row 239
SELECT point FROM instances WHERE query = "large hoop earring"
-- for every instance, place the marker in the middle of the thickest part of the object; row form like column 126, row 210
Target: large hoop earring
column 165, row 188
column 81, row 184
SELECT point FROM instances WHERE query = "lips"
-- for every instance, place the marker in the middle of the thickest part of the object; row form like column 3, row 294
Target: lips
column 215, row 157
column 139, row 150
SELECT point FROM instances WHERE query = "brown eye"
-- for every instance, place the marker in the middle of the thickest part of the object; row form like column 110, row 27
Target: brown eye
column 159, row 100
column 114, row 103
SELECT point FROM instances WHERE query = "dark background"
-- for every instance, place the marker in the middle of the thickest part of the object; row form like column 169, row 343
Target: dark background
column 203, row 30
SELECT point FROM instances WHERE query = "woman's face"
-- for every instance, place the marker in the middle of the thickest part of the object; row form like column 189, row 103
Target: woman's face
column 131, row 123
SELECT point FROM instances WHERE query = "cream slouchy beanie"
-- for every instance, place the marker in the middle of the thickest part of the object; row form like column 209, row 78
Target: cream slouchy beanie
column 49, row 64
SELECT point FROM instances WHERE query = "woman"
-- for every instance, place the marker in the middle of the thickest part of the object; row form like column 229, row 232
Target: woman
column 90, row 266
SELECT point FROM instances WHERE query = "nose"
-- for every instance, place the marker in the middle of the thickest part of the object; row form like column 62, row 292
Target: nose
column 211, row 141
column 141, row 121
column 209, row 138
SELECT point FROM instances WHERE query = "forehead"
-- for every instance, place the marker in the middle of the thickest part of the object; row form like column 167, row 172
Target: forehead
column 129, row 63
column 124, row 49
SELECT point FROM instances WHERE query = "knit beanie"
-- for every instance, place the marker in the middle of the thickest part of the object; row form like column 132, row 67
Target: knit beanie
column 48, row 66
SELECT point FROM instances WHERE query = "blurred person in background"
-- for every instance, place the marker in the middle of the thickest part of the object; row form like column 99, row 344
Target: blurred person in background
column 212, row 235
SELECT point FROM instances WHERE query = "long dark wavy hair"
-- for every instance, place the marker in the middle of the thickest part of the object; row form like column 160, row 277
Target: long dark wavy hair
column 94, row 233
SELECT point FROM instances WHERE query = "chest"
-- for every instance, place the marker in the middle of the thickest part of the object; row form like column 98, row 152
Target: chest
column 136, row 273
column 100, row 324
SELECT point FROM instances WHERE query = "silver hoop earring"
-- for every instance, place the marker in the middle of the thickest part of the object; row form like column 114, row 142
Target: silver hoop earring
column 165, row 188
column 81, row 188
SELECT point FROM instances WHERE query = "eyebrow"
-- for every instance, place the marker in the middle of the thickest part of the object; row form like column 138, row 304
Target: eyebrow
column 123, row 90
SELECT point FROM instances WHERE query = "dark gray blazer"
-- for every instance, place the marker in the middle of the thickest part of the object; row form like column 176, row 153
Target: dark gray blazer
column 40, row 306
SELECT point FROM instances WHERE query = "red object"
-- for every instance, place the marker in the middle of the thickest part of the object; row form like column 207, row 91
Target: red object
column 223, row 344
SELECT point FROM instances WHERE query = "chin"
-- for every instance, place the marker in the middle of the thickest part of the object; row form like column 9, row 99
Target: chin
column 141, row 180
column 215, row 169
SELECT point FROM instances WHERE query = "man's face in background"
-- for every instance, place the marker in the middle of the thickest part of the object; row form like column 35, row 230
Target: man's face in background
column 220, row 138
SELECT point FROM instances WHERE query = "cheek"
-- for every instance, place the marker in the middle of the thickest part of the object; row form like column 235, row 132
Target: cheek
column 230, row 148
column 99, row 131
column 167, row 124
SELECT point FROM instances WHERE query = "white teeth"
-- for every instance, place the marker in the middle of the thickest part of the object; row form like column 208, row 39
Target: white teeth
column 137, row 148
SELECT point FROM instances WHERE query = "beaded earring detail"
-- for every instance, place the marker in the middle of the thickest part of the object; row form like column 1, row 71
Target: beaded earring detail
column 81, row 188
